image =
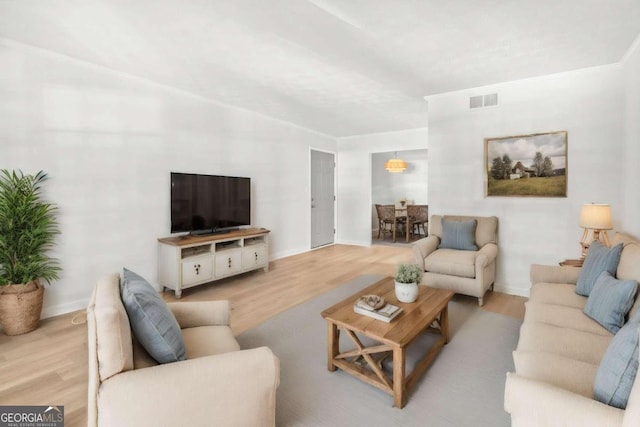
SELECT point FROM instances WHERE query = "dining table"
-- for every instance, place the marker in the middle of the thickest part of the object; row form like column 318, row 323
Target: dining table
column 400, row 219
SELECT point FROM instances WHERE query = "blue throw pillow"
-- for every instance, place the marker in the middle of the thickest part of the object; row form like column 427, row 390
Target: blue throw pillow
column 610, row 300
column 619, row 366
column 599, row 258
column 459, row 235
column 152, row 322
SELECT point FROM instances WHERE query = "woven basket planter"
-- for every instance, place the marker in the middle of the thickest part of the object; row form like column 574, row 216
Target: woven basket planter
column 20, row 307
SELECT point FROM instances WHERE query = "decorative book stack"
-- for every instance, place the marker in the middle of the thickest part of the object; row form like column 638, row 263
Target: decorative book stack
column 377, row 309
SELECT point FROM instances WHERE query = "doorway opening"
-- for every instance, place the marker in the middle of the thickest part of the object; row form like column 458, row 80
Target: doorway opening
column 398, row 190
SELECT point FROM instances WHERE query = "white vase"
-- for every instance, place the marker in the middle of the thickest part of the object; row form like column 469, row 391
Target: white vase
column 406, row 292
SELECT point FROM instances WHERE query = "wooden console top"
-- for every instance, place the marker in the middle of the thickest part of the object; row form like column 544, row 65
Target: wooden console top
column 189, row 239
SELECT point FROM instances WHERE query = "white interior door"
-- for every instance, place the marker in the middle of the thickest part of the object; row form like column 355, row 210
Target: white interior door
column 322, row 198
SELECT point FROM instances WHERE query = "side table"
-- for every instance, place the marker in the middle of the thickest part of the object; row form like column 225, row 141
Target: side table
column 572, row 262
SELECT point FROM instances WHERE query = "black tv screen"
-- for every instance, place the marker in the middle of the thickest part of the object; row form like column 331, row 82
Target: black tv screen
column 209, row 203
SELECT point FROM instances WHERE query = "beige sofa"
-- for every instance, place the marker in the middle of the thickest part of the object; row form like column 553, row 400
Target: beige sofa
column 464, row 272
column 559, row 352
column 218, row 384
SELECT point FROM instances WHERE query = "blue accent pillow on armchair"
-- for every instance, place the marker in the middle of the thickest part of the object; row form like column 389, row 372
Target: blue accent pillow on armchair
column 459, row 235
column 152, row 322
column 599, row 258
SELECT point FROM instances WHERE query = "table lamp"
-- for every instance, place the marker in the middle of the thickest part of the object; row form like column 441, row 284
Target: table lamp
column 595, row 219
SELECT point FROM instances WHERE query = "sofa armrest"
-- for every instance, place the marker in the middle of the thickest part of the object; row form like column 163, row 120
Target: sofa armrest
column 230, row 389
column 535, row 403
column 554, row 274
column 201, row 313
column 486, row 255
column 423, row 247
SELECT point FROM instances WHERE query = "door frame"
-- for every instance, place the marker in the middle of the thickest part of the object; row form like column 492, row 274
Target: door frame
column 335, row 192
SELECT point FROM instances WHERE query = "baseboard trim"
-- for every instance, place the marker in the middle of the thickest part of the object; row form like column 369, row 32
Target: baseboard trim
column 354, row 242
column 66, row 308
column 285, row 254
column 512, row 290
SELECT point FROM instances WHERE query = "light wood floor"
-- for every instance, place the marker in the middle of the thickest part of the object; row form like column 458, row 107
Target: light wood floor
column 49, row 366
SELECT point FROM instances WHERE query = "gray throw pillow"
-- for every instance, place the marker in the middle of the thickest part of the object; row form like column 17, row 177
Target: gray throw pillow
column 459, row 235
column 152, row 322
column 599, row 258
column 610, row 300
column 619, row 366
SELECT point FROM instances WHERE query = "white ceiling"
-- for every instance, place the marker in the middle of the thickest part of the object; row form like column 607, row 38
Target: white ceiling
column 341, row 67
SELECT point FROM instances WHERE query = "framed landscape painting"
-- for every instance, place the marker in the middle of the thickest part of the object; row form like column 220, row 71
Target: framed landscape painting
column 527, row 165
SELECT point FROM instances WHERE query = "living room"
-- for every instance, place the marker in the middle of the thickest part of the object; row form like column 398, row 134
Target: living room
column 108, row 114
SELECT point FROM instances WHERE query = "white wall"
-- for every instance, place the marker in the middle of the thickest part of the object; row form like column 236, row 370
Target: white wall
column 631, row 219
column 354, row 178
column 589, row 104
column 109, row 141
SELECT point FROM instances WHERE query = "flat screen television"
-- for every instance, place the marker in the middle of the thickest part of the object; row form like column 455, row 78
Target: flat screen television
column 202, row 204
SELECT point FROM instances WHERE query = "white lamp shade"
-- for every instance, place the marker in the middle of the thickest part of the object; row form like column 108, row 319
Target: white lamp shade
column 596, row 217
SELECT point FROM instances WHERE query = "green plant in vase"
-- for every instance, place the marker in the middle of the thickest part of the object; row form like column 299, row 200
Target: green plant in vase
column 28, row 228
column 407, row 279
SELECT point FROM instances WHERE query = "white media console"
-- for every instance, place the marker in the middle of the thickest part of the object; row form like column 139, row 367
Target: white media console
column 187, row 261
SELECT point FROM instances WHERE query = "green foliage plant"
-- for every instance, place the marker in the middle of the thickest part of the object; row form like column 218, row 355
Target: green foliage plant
column 28, row 228
column 409, row 273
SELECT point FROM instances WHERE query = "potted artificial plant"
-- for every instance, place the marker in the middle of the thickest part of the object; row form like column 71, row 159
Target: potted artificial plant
column 407, row 279
column 27, row 231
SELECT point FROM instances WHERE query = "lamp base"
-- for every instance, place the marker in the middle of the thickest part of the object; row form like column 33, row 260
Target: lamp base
column 585, row 242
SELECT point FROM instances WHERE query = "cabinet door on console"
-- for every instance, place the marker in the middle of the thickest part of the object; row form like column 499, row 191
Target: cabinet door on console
column 254, row 256
column 196, row 270
column 228, row 262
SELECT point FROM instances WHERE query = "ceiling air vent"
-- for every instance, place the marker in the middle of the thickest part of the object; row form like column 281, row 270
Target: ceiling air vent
column 491, row 100
column 480, row 101
column 475, row 101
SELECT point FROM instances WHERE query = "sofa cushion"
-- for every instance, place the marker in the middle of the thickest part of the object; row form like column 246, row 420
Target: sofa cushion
column 209, row 340
column 599, row 258
column 629, row 266
column 141, row 358
column 619, row 367
column 562, row 316
column 114, row 348
column 566, row 342
column 152, row 322
column 569, row 374
column 610, row 301
column 557, row 294
column 452, row 262
column 459, row 235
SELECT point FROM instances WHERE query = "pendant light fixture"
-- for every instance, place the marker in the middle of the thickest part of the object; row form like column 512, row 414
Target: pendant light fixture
column 395, row 165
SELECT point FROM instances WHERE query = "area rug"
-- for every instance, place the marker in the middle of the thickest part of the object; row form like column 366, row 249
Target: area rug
column 463, row 387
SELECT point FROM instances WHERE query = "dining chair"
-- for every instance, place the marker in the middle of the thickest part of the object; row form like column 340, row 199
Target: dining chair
column 386, row 219
column 417, row 216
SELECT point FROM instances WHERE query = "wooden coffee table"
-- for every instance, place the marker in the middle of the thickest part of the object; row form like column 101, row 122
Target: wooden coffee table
column 428, row 314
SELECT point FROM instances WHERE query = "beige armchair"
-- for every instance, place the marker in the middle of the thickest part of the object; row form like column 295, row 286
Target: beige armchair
column 218, row 384
column 462, row 271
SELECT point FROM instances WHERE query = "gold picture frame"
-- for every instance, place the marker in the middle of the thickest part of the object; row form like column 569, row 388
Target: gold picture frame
column 532, row 165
